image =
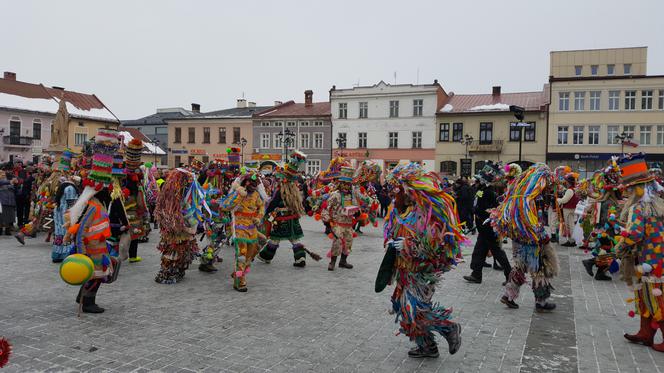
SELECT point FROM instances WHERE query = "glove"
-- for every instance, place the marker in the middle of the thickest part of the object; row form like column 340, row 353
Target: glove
column 397, row 243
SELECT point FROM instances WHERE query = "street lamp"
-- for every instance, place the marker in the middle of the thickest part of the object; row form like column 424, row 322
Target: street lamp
column 155, row 143
column 287, row 139
column 243, row 143
column 466, row 140
column 341, row 143
column 519, row 115
column 623, row 138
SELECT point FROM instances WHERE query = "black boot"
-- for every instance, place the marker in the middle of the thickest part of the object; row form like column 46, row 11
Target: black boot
column 430, row 351
column 546, row 307
column 89, row 305
column 343, row 263
column 473, row 279
column 497, row 266
column 207, row 267
column 554, row 238
column 78, row 297
column 588, row 264
column 453, row 338
column 601, row 276
column 333, row 262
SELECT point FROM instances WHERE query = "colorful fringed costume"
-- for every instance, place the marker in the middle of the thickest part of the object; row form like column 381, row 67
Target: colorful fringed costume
column 178, row 218
column 423, row 235
column 641, row 247
column 519, row 218
column 65, row 197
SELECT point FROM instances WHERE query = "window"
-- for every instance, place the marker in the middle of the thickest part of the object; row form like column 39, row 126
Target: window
column 610, row 69
column 161, row 130
column 362, row 140
column 578, row 70
column 579, row 100
column 611, row 134
column 629, row 131
column 614, row 100
column 417, row 107
column 627, row 68
column 644, row 135
column 265, row 141
column 593, row 69
column 457, row 132
column 562, row 135
column 237, row 135
column 318, row 124
column 178, row 135
column 313, row 166
column 448, row 167
column 528, row 132
column 417, row 140
column 206, row 135
column 343, row 110
column 318, row 140
column 364, row 109
column 304, row 124
column 595, row 97
column 178, row 161
column 630, row 100
column 80, row 138
column 661, row 99
column 593, row 135
column 265, row 124
column 660, row 135
column 486, row 132
column 394, row 109
column 444, row 132
column 342, row 140
column 304, row 140
column 277, row 143
column 290, row 124
column 563, row 101
column 393, row 139
column 577, row 135
column 36, row 129
column 646, row 100
column 191, row 135
column 222, row 135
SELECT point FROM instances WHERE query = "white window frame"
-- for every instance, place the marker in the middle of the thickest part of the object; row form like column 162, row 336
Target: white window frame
column 610, row 69
column 646, row 99
column 645, row 134
column 660, row 99
column 578, row 70
column 559, row 132
column 594, row 69
column 305, row 140
column 318, row 124
column 277, row 142
column 593, row 135
column 304, row 123
column 416, row 137
column 266, row 140
column 265, row 124
column 343, row 136
column 393, row 140
column 418, row 107
column 394, row 108
column 614, row 100
column 313, row 166
column 660, row 134
column 362, row 140
column 577, row 134
column 563, row 101
column 343, row 110
column 363, row 108
column 291, row 123
column 627, row 69
column 632, row 100
column 579, row 101
column 629, row 129
column 611, row 132
column 595, row 100
column 80, row 131
column 318, row 137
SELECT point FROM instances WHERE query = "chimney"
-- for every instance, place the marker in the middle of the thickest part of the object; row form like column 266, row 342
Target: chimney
column 496, row 90
column 251, row 104
column 435, row 81
column 241, row 103
column 196, row 108
column 277, row 103
column 308, row 97
column 10, row 75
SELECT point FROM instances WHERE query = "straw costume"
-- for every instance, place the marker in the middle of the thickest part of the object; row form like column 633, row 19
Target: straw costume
column 518, row 218
column 641, row 247
column 422, row 235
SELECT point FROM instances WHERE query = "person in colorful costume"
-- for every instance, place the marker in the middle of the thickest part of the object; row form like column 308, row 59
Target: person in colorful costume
column 486, row 199
column 88, row 225
column 339, row 211
column 283, row 214
column 518, row 218
column 178, row 213
column 247, row 207
column 135, row 204
column 641, row 247
column 367, row 178
column 41, row 213
column 323, row 184
column 422, row 234
column 65, row 197
column 605, row 195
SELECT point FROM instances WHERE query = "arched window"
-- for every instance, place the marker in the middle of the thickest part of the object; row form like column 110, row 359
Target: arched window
column 448, row 168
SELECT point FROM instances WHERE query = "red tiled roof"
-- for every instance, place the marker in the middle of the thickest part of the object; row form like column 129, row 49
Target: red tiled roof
column 293, row 109
column 531, row 101
column 23, row 89
column 82, row 101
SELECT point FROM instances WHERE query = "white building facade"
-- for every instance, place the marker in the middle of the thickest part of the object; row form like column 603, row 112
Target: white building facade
column 389, row 124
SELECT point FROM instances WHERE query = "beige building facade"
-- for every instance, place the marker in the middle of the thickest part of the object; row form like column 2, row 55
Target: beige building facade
column 472, row 129
column 599, row 97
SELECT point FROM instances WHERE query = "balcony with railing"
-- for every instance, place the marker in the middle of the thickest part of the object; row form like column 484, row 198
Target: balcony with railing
column 479, row 146
column 14, row 140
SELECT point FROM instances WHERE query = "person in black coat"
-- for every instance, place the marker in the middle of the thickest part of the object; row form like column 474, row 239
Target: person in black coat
column 487, row 239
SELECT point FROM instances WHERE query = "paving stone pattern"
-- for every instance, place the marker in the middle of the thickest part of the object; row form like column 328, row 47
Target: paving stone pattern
column 302, row 320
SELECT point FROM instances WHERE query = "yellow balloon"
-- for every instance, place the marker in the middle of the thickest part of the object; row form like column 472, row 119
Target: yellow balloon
column 77, row 269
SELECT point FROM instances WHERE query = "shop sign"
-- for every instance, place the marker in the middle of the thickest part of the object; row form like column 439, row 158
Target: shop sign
column 197, row 152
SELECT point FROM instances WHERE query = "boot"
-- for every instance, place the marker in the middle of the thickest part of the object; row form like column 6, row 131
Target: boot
column 89, row 305
column 645, row 335
column 659, row 347
column 20, row 237
column 588, row 264
column 430, row 351
column 78, row 297
column 601, row 276
column 554, row 238
column 472, row 279
column 343, row 263
column 333, row 262
column 453, row 338
column 240, row 285
column 207, row 267
column 546, row 307
column 497, row 266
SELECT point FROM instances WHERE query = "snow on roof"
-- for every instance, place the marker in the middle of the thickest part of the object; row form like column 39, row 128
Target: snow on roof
column 32, row 104
column 493, row 107
column 148, row 147
column 447, row 108
column 93, row 113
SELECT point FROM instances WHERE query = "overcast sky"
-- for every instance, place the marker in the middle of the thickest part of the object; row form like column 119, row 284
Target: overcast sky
column 141, row 55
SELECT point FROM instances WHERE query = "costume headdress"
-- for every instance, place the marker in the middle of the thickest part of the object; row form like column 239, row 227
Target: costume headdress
column 490, row 173
column 513, row 170
column 272, row 165
column 346, row 174
column 133, row 152
column 369, row 171
column 234, row 157
column 64, row 163
column 106, row 145
column 634, row 169
column 292, row 166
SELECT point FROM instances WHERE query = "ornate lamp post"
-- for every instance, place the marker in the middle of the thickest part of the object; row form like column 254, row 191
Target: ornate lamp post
column 155, row 143
column 287, row 139
column 341, row 143
column 623, row 138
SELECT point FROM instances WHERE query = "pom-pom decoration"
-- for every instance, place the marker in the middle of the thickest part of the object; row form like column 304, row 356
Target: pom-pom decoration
column 631, row 314
column 76, row 269
column 5, row 351
column 657, row 292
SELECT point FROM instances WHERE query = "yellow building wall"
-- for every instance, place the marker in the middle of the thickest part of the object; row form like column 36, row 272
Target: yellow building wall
column 214, row 149
column 562, row 63
column 85, row 126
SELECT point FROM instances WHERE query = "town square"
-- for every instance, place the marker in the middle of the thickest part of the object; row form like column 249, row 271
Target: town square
column 297, row 187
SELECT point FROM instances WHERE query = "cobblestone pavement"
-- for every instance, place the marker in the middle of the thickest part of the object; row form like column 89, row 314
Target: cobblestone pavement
column 307, row 319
